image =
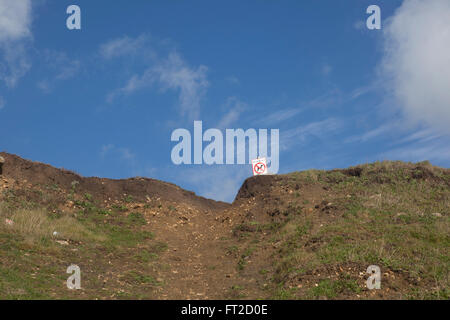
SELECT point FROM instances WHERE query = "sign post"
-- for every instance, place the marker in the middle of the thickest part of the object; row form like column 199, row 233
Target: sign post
column 259, row 166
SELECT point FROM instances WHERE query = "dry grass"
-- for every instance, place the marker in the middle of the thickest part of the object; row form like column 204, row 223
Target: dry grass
column 392, row 214
column 35, row 224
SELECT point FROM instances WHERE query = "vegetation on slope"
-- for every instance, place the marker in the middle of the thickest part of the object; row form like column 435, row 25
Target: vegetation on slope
column 304, row 235
column 331, row 225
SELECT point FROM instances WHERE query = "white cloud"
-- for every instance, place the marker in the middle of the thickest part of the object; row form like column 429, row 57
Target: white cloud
column 123, row 46
column 15, row 19
column 171, row 73
column 14, row 62
column 133, row 84
column 15, row 33
column 174, row 73
column 416, row 64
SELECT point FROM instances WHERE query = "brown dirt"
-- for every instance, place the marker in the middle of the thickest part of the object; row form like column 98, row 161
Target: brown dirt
column 207, row 240
column 196, row 264
column 40, row 174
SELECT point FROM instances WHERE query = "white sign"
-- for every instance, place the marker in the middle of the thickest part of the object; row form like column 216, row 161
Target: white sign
column 259, row 166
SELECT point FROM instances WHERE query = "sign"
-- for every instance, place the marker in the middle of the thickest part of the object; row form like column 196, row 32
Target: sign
column 259, row 166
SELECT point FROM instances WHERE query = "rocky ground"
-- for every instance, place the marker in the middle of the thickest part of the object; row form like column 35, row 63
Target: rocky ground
column 304, row 235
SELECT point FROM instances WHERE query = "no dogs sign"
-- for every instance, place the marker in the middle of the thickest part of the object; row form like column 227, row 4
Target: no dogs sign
column 259, row 166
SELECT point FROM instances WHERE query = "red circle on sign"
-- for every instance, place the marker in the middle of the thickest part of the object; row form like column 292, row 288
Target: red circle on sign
column 259, row 168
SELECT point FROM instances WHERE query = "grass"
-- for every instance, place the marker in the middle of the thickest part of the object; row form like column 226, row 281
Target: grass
column 236, row 292
column 14, row 284
column 244, row 256
column 33, row 264
column 331, row 289
column 383, row 216
column 136, row 217
column 37, row 225
column 146, row 256
column 137, row 277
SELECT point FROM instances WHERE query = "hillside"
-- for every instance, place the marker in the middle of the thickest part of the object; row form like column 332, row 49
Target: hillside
column 303, row 235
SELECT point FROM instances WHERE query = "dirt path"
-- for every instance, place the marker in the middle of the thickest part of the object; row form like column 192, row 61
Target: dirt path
column 200, row 265
column 304, row 235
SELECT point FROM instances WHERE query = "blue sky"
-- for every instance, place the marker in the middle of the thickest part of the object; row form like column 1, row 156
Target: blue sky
column 104, row 100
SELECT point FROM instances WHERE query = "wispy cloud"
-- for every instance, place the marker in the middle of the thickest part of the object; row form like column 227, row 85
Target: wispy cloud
column 363, row 90
column 174, row 73
column 62, row 68
column 233, row 80
column 120, row 152
column 360, row 25
column 328, row 99
column 171, row 72
column 278, row 116
column 436, row 150
column 105, row 149
column 235, row 108
column 423, row 135
column 15, row 35
column 126, row 161
column 331, row 98
column 125, row 46
column 318, row 129
column 374, row 133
